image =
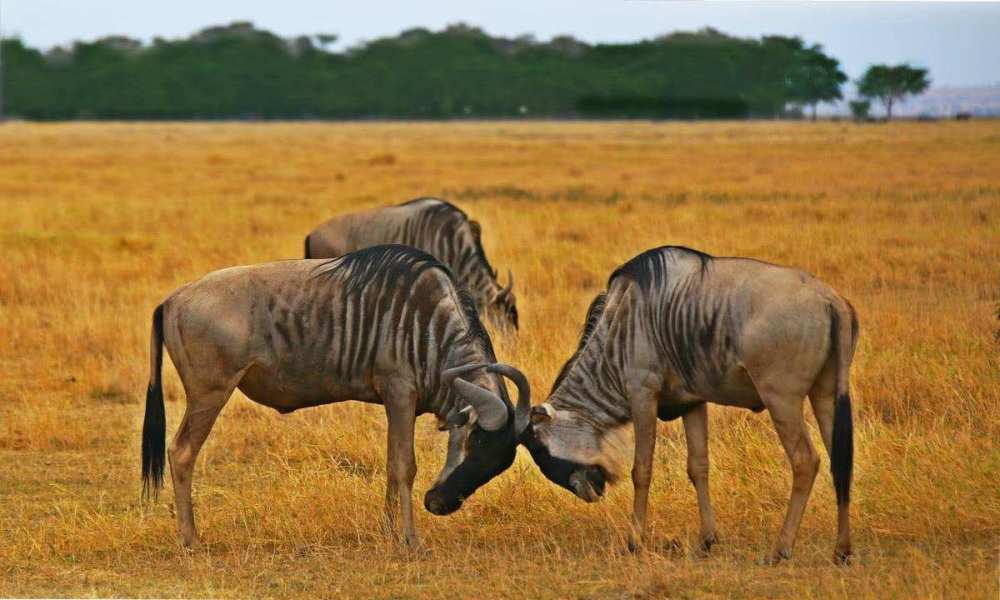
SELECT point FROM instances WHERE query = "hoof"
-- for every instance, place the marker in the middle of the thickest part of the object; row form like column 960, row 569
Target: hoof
column 776, row 557
column 409, row 542
column 634, row 547
column 843, row 558
column 672, row 546
column 705, row 545
column 408, row 548
column 190, row 545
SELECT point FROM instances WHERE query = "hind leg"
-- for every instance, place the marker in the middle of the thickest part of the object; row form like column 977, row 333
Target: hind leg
column 207, row 338
column 822, row 397
column 786, row 414
column 202, row 409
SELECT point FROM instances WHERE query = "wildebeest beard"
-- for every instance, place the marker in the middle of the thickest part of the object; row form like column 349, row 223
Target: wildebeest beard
column 568, row 474
column 489, row 454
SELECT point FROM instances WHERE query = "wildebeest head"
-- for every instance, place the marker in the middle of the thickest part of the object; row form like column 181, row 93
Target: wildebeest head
column 573, row 452
column 503, row 308
column 482, row 440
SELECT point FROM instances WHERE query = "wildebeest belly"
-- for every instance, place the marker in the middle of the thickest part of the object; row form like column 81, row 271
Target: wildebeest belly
column 736, row 388
column 287, row 391
column 733, row 388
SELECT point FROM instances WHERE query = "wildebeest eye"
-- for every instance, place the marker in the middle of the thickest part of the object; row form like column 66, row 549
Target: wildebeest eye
column 478, row 437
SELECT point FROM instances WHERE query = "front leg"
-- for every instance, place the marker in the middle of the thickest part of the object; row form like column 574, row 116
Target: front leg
column 400, row 409
column 644, row 420
column 696, row 433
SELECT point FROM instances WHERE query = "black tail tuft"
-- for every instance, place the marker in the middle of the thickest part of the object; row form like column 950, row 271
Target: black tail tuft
column 154, row 425
column 307, row 254
column 842, row 341
column 842, row 455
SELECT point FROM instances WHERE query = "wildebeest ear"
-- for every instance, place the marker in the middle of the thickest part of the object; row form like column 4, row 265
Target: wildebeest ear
column 541, row 413
column 476, row 228
column 459, row 418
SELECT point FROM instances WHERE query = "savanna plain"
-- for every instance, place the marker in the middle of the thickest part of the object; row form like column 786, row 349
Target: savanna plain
column 100, row 221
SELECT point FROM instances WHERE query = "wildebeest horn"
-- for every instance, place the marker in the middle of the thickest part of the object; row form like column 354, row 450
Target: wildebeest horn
column 491, row 411
column 523, row 410
column 449, row 375
column 510, row 283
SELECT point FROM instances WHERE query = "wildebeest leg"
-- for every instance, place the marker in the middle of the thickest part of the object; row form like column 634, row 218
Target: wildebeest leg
column 400, row 409
column 786, row 413
column 644, row 420
column 696, row 432
column 822, row 396
column 199, row 416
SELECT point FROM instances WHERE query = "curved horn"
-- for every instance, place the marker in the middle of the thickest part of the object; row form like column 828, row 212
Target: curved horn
column 522, row 413
column 510, row 283
column 490, row 409
column 449, row 375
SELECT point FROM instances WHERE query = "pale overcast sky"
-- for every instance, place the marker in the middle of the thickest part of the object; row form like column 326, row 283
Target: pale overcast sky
column 958, row 42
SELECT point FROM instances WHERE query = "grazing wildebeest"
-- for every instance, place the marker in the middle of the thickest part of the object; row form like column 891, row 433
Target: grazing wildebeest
column 677, row 329
column 385, row 325
column 434, row 226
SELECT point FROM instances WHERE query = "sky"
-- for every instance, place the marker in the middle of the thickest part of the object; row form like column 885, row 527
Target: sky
column 958, row 42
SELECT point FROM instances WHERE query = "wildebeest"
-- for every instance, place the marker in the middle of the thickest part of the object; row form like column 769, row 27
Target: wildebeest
column 384, row 325
column 677, row 329
column 434, row 226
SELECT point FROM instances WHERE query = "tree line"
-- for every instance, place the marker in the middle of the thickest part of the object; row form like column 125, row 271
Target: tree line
column 240, row 71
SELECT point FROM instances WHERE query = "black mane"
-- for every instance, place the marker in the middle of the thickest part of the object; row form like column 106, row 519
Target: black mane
column 444, row 210
column 590, row 324
column 647, row 268
column 398, row 265
column 477, row 333
column 387, row 264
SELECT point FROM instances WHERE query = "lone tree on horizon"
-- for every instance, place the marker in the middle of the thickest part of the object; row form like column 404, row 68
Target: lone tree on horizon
column 892, row 83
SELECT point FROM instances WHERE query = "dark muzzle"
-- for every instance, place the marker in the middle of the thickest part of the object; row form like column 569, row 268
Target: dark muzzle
column 438, row 503
column 588, row 483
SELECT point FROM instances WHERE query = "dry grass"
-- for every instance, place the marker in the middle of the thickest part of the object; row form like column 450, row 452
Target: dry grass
column 101, row 221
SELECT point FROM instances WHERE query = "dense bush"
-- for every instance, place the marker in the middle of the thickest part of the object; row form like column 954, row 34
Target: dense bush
column 240, row 71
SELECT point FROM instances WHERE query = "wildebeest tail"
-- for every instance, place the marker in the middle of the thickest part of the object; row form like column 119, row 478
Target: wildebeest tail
column 843, row 336
column 154, row 425
column 307, row 254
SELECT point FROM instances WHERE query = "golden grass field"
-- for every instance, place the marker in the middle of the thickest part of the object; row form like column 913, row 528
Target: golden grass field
column 99, row 222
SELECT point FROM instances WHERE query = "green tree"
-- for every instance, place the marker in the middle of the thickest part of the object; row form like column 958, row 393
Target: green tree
column 238, row 70
column 326, row 39
column 860, row 108
column 892, row 83
column 815, row 77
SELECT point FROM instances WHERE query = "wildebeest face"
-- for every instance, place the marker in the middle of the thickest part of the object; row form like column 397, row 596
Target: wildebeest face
column 572, row 453
column 503, row 308
column 475, row 456
column 483, row 441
